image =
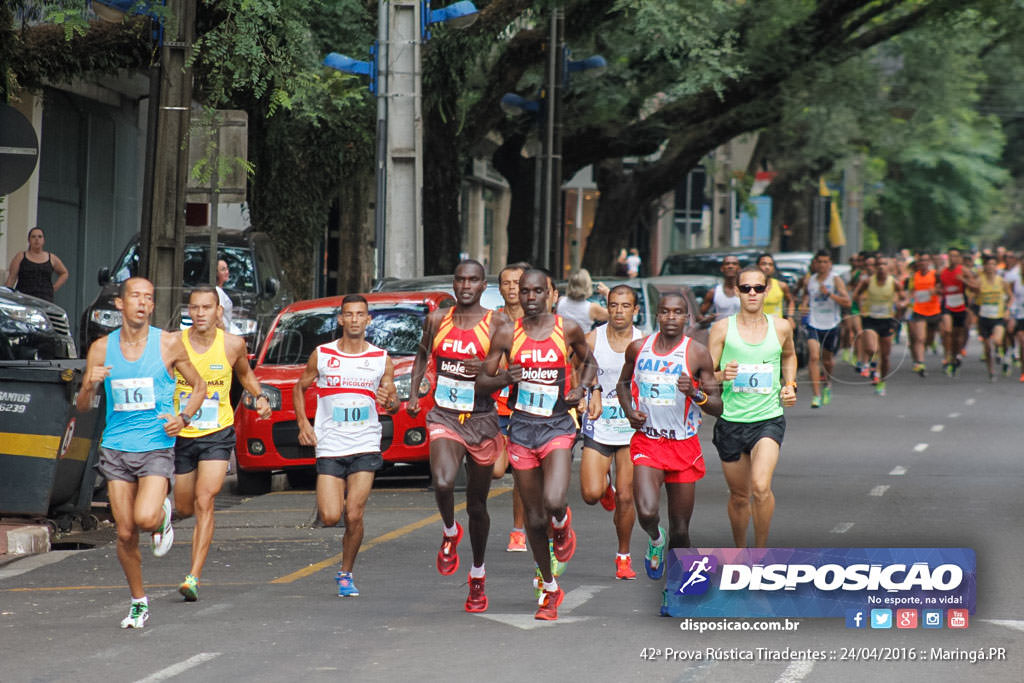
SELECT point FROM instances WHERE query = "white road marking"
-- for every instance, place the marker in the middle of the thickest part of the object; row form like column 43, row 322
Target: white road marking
column 969, row 402
column 31, row 562
column 920, row 448
column 213, row 609
column 796, row 671
column 953, row 416
column 180, row 667
column 938, row 428
column 898, row 471
column 879, row 491
column 842, row 528
column 1008, row 623
column 572, row 600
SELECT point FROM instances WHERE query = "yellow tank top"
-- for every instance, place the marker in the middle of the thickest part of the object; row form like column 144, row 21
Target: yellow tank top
column 991, row 298
column 880, row 297
column 213, row 366
column 773, row 298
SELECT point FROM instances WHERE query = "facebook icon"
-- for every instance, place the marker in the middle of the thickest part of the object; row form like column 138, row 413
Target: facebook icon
column 855, row 618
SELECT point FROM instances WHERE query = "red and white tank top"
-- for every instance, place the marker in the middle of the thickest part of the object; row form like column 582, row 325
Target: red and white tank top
column 346, row 410
column 455, row 388
column 670, row 415
column 952, row 289
column 541, row 392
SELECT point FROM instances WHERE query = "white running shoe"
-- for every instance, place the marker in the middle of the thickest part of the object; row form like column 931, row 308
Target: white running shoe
column 137, row 617
column 164, row 538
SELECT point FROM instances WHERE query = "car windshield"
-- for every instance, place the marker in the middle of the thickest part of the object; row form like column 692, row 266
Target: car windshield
column 197, row 271
column 396, row 328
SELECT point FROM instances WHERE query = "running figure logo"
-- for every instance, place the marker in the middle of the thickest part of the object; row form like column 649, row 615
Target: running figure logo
column 695, row 577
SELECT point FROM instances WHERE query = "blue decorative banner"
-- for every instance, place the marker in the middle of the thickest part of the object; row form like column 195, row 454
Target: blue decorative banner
column 816, row 582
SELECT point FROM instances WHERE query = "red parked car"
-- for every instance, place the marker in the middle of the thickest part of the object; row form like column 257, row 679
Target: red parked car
column 265, row 446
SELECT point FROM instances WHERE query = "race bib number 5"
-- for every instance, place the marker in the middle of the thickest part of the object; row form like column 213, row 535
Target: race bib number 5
column 135, row 393
column 657, row 389
column 536, row 399
column 753, row 378
column 454, row 394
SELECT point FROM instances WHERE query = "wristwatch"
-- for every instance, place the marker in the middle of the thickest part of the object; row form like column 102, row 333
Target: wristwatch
column 184, row 418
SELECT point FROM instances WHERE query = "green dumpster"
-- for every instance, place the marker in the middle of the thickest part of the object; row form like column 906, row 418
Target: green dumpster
column 47, row 448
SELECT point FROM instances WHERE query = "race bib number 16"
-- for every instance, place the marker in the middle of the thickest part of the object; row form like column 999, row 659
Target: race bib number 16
column 134, row 393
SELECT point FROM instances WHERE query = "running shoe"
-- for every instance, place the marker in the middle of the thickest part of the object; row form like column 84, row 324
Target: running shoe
column 654, row 560
column 564, row 538
column 815, row 401
column 948, row 369
column 624, row 568
column 163, row 538
column 826, row 395
column 137, row 617
column 189, row 588
column 865, row 371
column 477, row 600
column 516, row 542
column 1022, row 377
column 963, row 352
column 538, row 582
column 448, row 555
column 875, row 379
column 608, row 499
column 920, row 369
column 880, row 389
column 346, row 587
column 557, row 566
column 549, row 602
column 847, row 356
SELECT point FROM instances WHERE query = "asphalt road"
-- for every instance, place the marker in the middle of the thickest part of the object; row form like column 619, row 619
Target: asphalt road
column 937, row 462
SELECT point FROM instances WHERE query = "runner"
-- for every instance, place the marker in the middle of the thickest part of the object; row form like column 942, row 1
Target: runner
column 541, row 431
column 778, row 300
column 755, row 352
column 204, row 447
column 606, row 439
column 882, row 297
column 824, row 299
column 667, row 380
column 954, row 281
column 508, row 285
column 135, row 364
column 992, row 293
column 463, row 421
column 860, row 340
column 851, row 314
column 723, row 300
column 1015, row 331
column 927, row 309
column 352, row 378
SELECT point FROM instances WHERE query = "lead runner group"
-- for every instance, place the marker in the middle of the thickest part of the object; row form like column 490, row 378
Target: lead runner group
column 518, row 385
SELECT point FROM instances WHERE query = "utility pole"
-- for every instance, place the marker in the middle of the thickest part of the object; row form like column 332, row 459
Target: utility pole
column 163, row 201
column 552, row 202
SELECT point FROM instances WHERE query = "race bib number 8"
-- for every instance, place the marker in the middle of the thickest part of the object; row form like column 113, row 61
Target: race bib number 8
column 657, row 389
column 350, row 414
column 753, row 378
column 454, row 394
column 135, row 393
column 536, row 399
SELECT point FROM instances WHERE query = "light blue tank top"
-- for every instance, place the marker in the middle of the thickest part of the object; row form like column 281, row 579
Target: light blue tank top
column 137, row 394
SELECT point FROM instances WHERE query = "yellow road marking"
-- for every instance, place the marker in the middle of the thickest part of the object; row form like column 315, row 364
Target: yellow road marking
column 383, row 538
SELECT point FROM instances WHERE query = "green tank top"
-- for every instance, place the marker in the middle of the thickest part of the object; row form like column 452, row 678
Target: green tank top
column 754, row 395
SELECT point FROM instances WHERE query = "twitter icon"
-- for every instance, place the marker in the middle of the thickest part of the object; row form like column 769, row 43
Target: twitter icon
column 881, row 618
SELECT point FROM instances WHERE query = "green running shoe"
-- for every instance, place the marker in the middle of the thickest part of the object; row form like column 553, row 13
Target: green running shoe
column 826, row 395
column 189, row 588
column 654, row 560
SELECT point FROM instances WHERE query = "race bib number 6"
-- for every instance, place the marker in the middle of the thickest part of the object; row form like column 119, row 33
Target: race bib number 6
column 753, row 378
column 135, row 393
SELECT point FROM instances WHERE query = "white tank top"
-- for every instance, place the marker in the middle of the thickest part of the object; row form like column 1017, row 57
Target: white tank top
column 577, row 311
column 612, row 428
column 669, row 414
column 724, row 306
column 825, row 312
column 346, row 409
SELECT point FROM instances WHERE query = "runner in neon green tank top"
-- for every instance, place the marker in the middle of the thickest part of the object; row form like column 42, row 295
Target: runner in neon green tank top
column 755, row 355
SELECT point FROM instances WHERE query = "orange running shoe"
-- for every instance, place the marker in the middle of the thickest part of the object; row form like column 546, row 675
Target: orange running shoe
column 549, row 602
column 624, row 568
column 516, row 542
column 608, row 499
column 477, row 600
column 564, row 539
column 448, row 555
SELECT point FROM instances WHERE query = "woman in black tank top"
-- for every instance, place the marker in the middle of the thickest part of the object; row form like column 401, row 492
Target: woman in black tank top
column 31, row 271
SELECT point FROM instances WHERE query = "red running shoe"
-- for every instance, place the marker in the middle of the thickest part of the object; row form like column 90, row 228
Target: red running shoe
column 564, row 539
column 477, row 600
column 549, row 602
column 624, row 568
column 448, row 556
column 608, row 499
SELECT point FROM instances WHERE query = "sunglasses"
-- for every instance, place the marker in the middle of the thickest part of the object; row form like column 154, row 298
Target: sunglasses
column 747, row 289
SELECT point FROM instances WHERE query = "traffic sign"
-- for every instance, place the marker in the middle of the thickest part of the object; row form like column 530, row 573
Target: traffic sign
column 19, row 149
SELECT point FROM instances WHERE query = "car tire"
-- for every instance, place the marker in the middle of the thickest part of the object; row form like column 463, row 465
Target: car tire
column 301, row 477
column 253, row 483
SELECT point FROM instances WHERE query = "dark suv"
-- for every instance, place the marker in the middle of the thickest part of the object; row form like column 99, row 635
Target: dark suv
column 33, row 329
column 256, row 287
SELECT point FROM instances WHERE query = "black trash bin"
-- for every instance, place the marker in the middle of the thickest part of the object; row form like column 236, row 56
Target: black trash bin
column 47, row 448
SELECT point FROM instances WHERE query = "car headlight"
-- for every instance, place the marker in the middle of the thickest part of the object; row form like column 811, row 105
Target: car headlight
column 403, row 384
column 104, row 317
column 273, row 394
column 244, row 326
column 26, row 315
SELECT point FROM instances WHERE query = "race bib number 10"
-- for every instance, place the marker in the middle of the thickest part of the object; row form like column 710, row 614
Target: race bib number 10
column 753, row 378
column 135, row 393
column 350, row 414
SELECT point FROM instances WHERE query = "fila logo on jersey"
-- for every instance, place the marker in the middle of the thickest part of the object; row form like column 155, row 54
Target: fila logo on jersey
column 458, row 346
column 538, row 356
